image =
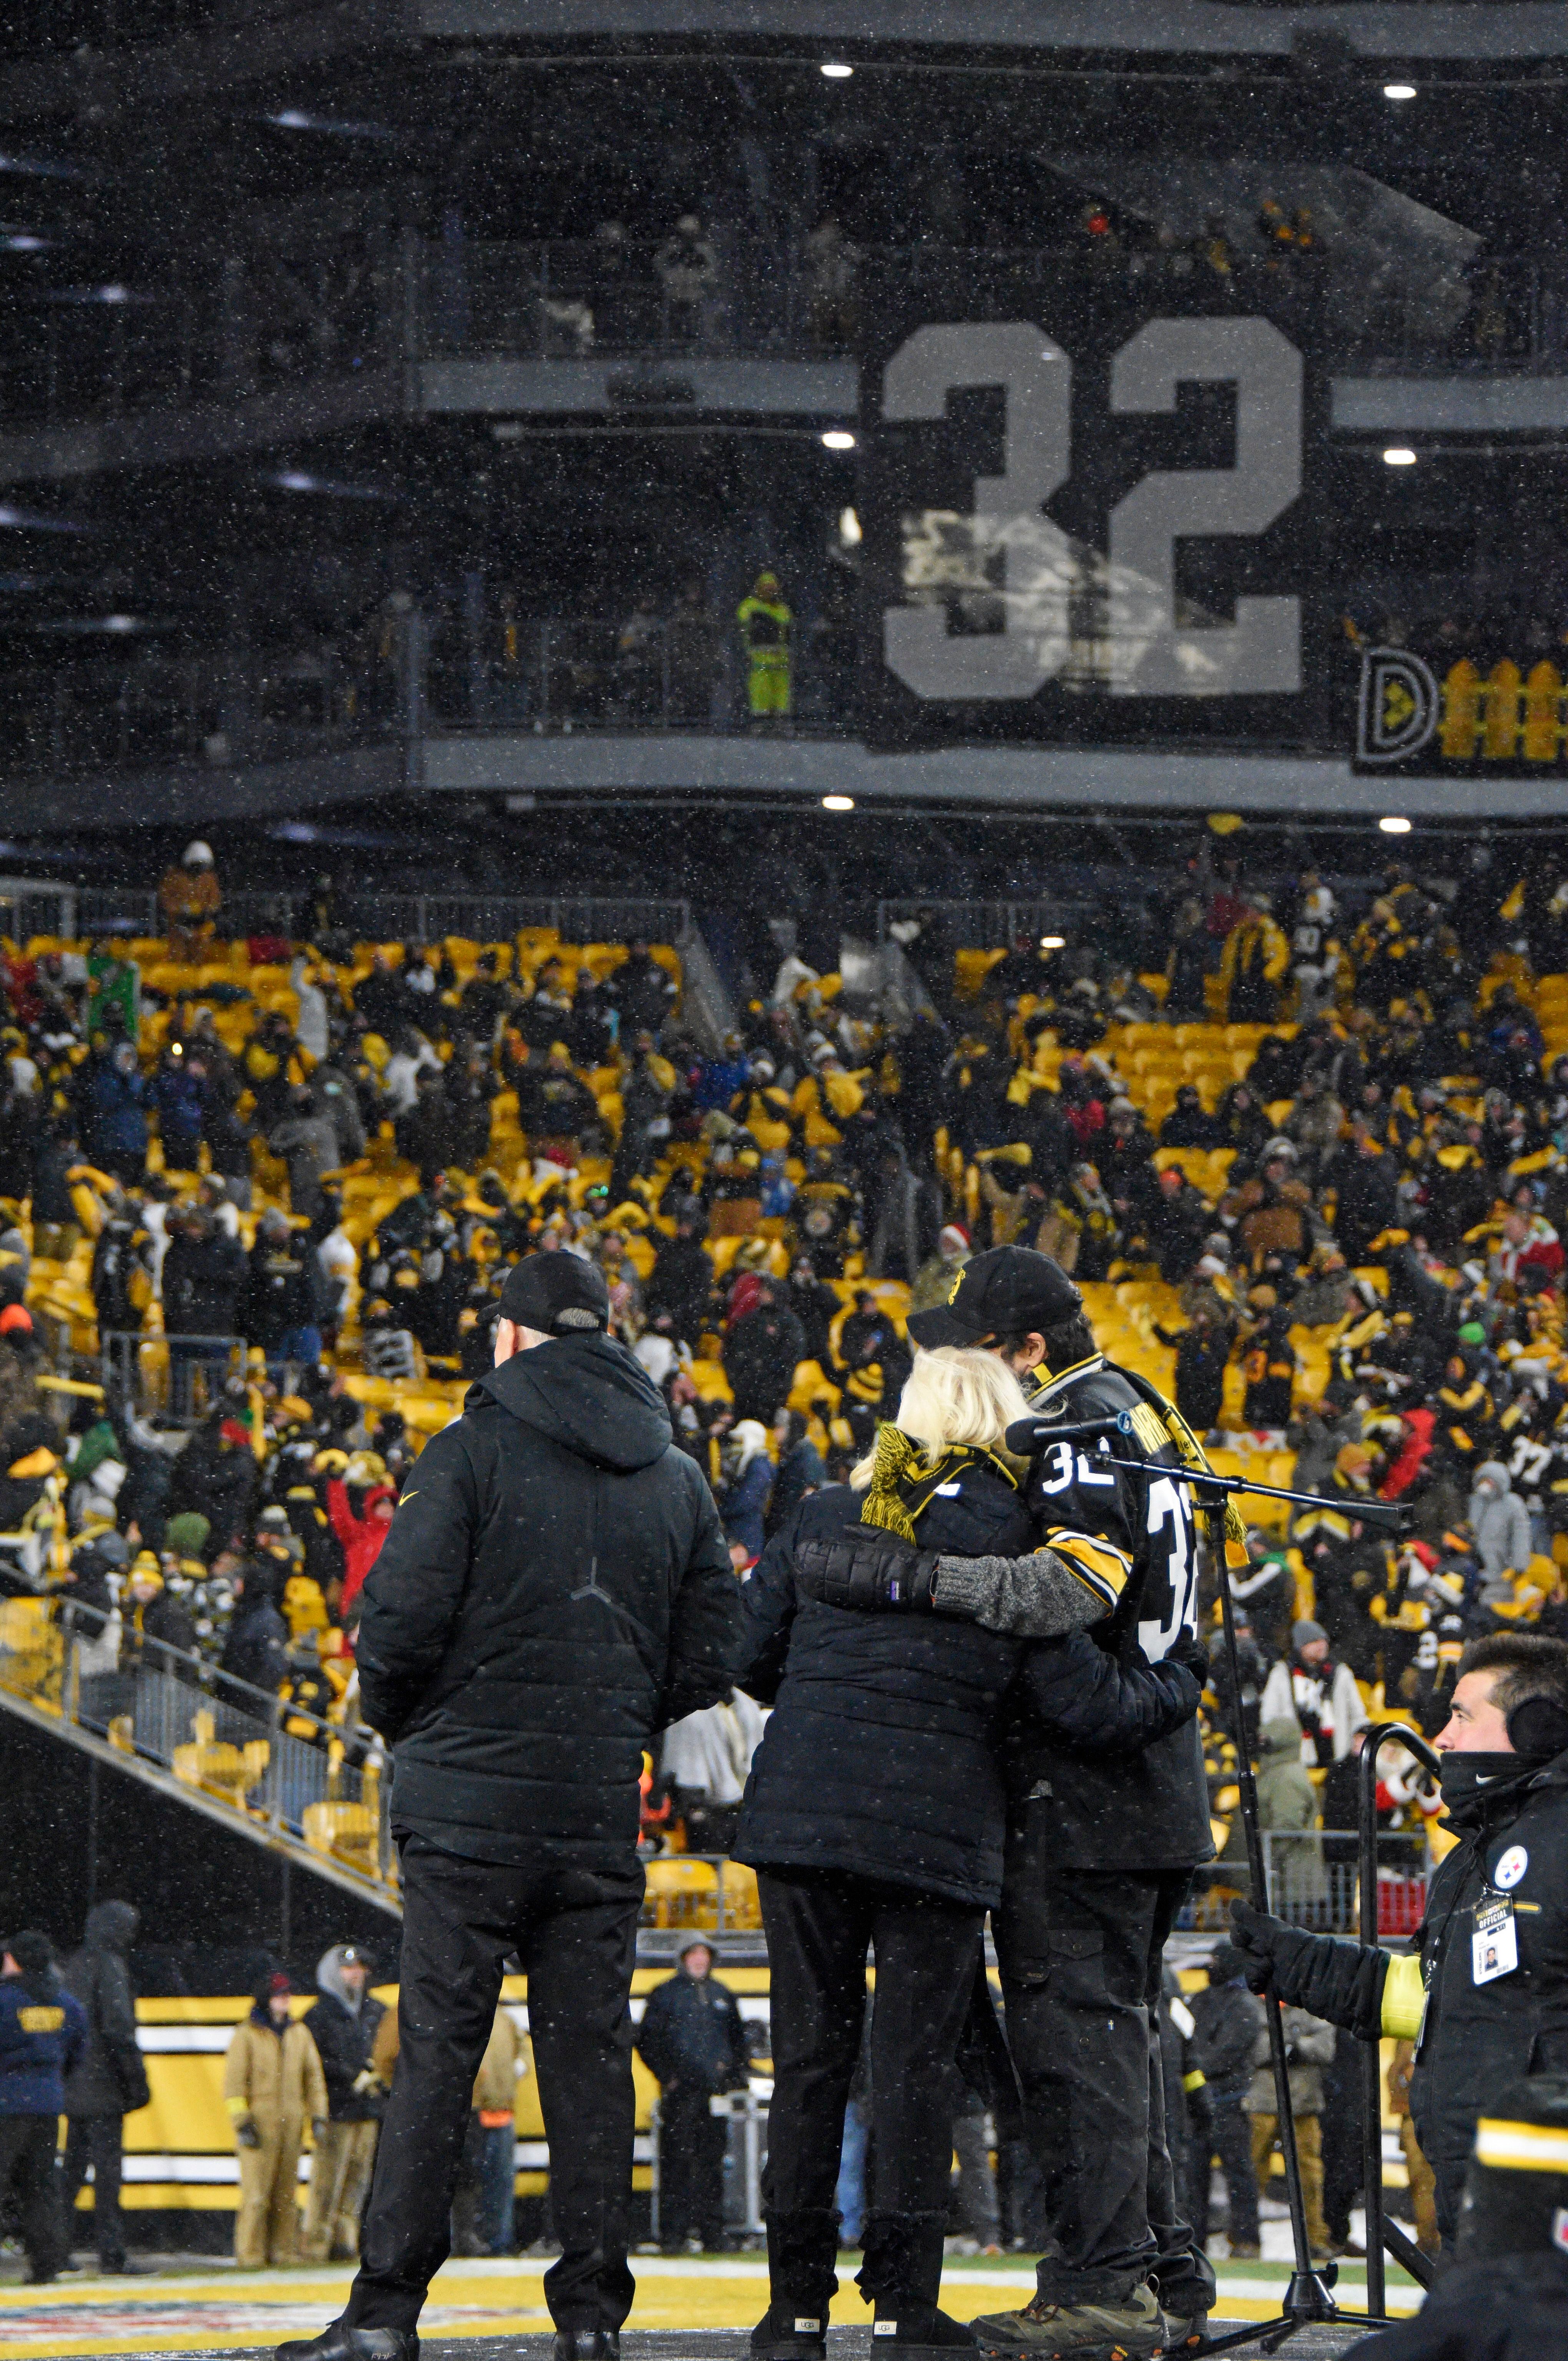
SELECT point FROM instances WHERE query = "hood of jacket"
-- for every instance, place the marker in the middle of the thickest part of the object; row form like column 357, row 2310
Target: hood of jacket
column 1500, row 1478
column 110, row 1927
column 329, row 1979
column 588, row 1394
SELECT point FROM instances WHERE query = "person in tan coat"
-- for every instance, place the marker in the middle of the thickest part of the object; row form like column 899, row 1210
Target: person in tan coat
column 273, row 2086
column 482, row 2207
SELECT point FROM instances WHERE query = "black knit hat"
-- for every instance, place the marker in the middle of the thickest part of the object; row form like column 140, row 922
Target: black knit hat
column 1516, row 2190
column 1006, row 1291
column 32, row 1951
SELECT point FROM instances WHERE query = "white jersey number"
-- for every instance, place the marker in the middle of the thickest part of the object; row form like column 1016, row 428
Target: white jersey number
column 1172, row 1579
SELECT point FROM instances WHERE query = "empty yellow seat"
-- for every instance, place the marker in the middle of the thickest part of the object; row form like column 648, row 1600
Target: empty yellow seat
column 683, row 1893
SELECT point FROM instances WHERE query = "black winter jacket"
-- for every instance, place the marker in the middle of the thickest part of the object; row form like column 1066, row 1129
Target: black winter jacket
column 109, row 2079
column 554, row 1589
column 1476, row 2038
column 883, row 1755
column 1226, row 2021
column 1515, row 2309
column 343, row 2040
column 692, row 2035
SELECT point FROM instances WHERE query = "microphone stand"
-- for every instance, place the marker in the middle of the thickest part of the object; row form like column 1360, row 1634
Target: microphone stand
column 1308, row 2301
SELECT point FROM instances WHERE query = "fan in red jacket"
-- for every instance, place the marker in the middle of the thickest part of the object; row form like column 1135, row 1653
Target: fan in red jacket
column 363, row 1530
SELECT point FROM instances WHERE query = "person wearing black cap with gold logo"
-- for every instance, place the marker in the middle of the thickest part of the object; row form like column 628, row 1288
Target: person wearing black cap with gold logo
column 1101, row 1849
column 555, row 1588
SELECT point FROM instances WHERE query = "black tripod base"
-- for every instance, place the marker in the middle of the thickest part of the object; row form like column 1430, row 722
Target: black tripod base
column 1308, row 2304
column 1307, row 2297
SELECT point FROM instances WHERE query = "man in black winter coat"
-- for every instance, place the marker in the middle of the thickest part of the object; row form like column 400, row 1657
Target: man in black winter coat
column 108, row 2082
column 556, row 1587
column 285, row 1292
column 342, row 2023
column 257, row 1649
column 1480, row 2021
column 693, row 2040
column 1227, row 2020
column 681, row 1281
column 762, row 1353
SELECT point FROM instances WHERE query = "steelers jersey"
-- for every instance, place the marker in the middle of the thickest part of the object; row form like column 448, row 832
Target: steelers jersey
column 1130, row 1539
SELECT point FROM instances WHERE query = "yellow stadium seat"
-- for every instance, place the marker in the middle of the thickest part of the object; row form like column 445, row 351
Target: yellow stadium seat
column 742, row 1903
column 683, row 1893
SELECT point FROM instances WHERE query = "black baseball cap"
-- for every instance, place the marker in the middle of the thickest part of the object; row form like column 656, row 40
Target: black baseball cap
column 558, row 1294
column 1006, row 1291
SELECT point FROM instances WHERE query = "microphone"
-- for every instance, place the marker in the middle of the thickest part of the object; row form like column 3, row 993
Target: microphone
column 1027, row 1435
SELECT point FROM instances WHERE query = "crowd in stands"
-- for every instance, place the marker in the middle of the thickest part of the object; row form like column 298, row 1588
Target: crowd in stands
column 261, row 1196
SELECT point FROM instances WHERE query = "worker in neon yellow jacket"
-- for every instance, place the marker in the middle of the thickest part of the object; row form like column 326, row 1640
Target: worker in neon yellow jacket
column 766, row 627
column 1484, row 1989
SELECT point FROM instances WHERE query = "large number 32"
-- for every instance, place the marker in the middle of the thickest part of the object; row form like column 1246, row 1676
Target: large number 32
column 1260, row 652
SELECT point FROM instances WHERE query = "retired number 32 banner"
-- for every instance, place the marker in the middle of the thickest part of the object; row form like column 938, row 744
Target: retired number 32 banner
column 1086, row 508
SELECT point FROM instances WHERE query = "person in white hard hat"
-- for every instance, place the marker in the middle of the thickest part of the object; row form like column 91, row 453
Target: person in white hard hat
column 191, row 897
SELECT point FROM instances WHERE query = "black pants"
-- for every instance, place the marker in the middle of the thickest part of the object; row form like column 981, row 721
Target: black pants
column 692, row 2141
column 1231, row 2141
column 95, row 2140
column 576, row 1932
column 30, row 2173
column 819, row 1923
column 1081, row 1953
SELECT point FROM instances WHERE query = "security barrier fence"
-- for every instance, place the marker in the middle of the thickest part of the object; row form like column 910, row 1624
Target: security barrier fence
column 1314, row 1882
column 28, row 909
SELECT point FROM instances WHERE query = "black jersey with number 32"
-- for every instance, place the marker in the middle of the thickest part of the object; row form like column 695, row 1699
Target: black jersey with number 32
column 1130, row 1539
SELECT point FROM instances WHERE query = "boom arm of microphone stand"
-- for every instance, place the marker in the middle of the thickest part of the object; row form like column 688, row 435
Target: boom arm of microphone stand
column 1025, row 1436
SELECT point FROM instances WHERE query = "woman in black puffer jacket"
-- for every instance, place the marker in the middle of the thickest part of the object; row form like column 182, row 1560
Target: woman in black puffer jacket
column 874, row 1815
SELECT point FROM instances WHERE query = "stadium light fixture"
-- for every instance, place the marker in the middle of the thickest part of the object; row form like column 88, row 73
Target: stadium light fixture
column 1394, row 825
column 838, row 803
column 1399, row 91
column 33, row 520
column 299, row 480
column 1053, row 943
column 850, row 531
column 838, row 438
column 294, row 118
column 835, row 70
column 1399, row 454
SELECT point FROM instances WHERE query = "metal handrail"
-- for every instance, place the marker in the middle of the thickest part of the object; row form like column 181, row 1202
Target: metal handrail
column 1377, row 2229
column 300, row 1770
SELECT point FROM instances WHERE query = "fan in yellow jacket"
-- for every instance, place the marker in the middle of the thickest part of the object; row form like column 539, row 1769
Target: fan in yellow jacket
column 273, row 2085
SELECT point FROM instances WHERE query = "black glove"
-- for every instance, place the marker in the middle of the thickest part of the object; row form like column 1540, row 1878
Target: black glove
column 867, row 1570
column 1256, row 1936
column 1200, row 2115
column 1341, row 1983
column 1189, row 1650
column 246, row 2133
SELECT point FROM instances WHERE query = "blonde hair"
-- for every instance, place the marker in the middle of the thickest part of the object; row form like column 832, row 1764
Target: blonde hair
column 956, row 1394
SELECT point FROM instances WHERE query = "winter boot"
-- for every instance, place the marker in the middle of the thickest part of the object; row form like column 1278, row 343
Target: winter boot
column 902, row 2276
column 586, row 2344
column 1186, row 2291
column 1130, row 2328
column 802, row 2250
